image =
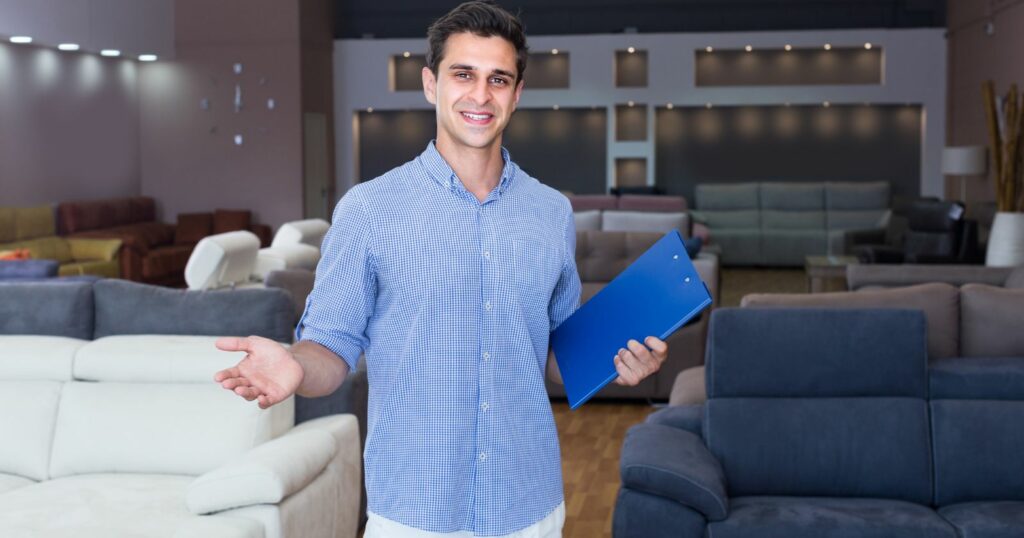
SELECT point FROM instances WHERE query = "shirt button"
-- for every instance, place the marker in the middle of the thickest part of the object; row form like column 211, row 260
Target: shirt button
column 487, row 306
column 484, row 406
column 487, row 356
column 487, row 254
column 482, row 456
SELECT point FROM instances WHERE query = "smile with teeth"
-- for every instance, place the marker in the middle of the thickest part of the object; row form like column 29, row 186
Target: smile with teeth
column 477, row 117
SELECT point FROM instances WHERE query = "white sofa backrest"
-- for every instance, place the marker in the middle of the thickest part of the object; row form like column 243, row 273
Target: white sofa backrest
column 152, row 359
column 36, row 358
column 26, row 426
column 308, row 232
column 222, row 260
column 294, row 256
column 645, row 221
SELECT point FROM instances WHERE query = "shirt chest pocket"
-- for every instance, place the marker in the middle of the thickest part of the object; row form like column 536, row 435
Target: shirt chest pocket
column 537, row 265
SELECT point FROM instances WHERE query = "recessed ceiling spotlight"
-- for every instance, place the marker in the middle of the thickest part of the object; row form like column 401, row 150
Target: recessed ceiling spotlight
column 826, row 104
column 555, row 107
column 709, row 49
column 112, row 53
column 788, row 47
column 748, row 48
column 631, row 50
column 669, row 106
column 21, row 39
column 707, row 106
column 554, row 51
column 787, row 103
column 68, row 47
column 828, row 46
column 147, row 57
column 369, row 110
column 867, row 46
column 631, row 103
column 406, row 54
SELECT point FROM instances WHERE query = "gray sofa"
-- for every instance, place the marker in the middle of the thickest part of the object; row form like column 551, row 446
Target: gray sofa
column 831, row 424
column 863, row 276
column 600, row 257
column 973, row 321
column 779, row 223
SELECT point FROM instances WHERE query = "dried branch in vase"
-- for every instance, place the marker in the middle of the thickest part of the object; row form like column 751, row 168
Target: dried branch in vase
column 1005, row 118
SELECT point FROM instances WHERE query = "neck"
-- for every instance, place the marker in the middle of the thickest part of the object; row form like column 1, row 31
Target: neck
column 479, row 169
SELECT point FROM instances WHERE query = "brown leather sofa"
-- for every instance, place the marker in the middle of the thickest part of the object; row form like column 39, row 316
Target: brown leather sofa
column 152, row 252
column 600, row 257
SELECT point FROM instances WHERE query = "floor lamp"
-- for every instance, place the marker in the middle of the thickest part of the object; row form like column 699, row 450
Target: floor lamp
column 964, row 161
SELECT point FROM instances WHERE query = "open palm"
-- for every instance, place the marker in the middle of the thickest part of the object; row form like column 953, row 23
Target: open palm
column 268, row 374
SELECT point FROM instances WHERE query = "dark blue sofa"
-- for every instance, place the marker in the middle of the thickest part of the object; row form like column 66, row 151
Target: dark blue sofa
column 827, row 424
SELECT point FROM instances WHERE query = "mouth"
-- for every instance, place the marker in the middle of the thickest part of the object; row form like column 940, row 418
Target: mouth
column 477, row 118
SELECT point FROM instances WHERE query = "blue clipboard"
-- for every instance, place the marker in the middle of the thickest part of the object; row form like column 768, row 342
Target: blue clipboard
column 655, row 295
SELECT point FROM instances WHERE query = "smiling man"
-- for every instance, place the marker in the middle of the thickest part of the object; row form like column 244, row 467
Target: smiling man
column 448, row 273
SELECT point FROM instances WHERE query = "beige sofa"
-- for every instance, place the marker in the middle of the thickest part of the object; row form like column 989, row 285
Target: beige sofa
column 972, row 321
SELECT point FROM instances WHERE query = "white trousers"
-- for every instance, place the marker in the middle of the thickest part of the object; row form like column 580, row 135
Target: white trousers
column 381, row 527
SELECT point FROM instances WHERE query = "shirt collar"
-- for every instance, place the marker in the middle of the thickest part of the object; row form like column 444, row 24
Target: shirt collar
column 442, row 172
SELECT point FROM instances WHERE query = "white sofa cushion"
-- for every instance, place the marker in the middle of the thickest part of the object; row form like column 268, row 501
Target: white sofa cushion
column 308, row 232
column 37, row 358
column 645, row 221
column 297, row 256
column 10, row 482
column 157, row 428
column 153, row 359
column 102, row 506
column 587, row 220
column 26, row 427
column 265, row 474
column 222, row 260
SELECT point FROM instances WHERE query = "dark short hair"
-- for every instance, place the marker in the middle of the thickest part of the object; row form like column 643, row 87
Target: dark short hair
column 482, row 18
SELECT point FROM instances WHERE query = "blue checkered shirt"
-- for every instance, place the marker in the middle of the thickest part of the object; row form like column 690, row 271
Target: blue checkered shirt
column 452, row 302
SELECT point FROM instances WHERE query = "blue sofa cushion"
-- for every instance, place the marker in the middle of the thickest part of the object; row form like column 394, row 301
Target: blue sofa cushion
column 684, row 417
column 124, row 307
column 642, row 515
column 816, row 353
column 979, row 450
column 831, row 447
column 978, row 378
column 822, row 517
column 673, row 463
column 1000, row 519
column 51, row 308
column 25, row 269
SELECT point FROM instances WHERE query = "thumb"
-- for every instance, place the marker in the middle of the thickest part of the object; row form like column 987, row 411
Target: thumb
column 233, row 343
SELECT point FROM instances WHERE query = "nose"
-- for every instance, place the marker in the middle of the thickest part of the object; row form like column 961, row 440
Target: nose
column 481, row 93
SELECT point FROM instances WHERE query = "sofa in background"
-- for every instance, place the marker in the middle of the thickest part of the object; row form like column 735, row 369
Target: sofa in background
column 780, row 223
column 863, row 276
column 830, row 423
column 153, row 252
column 33, row 228
column 600, row 257
column 976, row 321
column 630, row 213
column 114, row 426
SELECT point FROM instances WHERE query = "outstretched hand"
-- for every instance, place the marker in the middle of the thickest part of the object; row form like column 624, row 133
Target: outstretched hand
column 639, row 361
column 268, row 374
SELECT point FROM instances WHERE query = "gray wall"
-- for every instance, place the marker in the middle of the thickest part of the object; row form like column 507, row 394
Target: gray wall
column 563, row 148
column 796, row 143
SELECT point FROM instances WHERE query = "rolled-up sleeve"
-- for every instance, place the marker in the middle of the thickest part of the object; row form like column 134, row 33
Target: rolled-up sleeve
column 566, row 297
column 344, row 293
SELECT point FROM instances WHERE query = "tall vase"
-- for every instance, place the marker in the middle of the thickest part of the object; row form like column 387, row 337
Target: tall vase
column 1006, row 240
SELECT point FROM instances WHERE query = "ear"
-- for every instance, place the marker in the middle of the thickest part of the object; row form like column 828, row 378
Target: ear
column 519, row 93
column 430, row 85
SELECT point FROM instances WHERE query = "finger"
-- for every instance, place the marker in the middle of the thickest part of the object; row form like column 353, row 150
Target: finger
column 263, row 401
column 627, row 372
column 226, row 374
column 233, row 343
column 234, row 382
column 249, row 393
column 635, row 365
column 657, row 345
column 641, row 352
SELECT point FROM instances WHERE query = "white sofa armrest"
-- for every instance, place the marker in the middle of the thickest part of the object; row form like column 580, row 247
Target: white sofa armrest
column 266, row 474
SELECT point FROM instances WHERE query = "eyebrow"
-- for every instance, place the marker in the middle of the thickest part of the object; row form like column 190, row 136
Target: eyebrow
column 464, row 67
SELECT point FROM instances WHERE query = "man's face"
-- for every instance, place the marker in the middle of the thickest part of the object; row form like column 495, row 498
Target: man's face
column 475, row 90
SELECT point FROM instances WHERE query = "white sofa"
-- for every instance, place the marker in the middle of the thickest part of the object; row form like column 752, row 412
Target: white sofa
column 129, row 436
column 296, row 245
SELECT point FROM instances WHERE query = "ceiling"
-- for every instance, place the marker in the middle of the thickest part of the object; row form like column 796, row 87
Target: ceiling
column 402, row 18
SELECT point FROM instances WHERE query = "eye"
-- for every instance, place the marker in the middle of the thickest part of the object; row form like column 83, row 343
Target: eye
column 463, row 75
column 499, row 81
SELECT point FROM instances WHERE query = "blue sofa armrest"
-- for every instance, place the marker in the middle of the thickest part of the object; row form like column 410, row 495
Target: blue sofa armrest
column 673, row 463
column 684, row 417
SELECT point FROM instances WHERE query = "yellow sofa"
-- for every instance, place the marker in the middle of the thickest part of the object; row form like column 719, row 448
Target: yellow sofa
column 33, row 228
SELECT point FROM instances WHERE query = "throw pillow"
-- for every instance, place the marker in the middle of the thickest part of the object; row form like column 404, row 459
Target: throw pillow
column 16, row 254
column 692, row 245
column 192, row 227
column 230, row 220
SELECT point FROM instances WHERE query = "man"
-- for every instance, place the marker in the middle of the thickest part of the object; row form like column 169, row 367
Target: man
column 448, row 272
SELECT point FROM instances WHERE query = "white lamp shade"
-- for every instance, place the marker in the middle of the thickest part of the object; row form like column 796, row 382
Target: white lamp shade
column 964, row 160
